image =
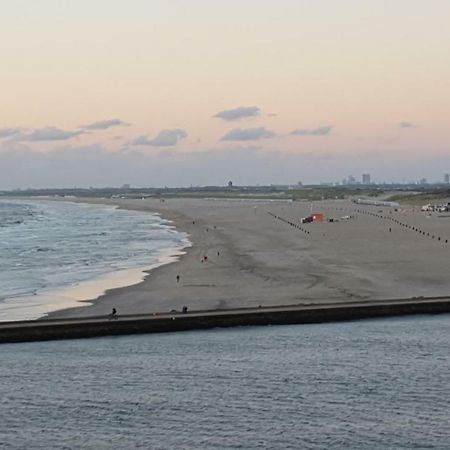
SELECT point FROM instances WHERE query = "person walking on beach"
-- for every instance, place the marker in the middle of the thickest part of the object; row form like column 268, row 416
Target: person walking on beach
column 113, row 314
column 178, row 278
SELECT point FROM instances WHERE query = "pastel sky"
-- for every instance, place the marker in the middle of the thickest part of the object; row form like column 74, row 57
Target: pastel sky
column 181, row 92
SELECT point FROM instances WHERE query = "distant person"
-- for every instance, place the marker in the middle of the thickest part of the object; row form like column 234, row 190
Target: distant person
column 113, row 314
column 184, row 310
column 178, row 278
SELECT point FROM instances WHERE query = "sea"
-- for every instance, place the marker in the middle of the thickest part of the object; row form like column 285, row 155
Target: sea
column 53, row 254
column 366, row 385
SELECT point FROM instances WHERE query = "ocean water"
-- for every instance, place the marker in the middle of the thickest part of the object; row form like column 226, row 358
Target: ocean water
column 378, row 384
column 48, row 247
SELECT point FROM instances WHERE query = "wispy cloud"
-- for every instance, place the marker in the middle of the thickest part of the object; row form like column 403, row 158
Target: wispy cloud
column 321, row 131
column 248, row 134
column 406, row 125
column 165, row 138
column 46, row 134
column 237, row 113
column 8, row 132
column 104, row 124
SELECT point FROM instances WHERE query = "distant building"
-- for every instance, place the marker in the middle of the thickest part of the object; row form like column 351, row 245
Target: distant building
column 125, row 186
column 366, row 178
column 446, row 178
column 230, row 184
column 351, row 179
column 423, row 181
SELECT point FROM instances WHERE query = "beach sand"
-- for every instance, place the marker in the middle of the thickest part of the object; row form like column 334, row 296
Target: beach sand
column 256, row 259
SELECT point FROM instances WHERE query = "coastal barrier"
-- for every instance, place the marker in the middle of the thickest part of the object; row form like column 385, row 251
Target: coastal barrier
column 89, row 327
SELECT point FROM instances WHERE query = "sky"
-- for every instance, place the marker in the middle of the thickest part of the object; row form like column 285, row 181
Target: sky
column 199, row 92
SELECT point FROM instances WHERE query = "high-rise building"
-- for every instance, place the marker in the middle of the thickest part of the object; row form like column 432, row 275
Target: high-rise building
column 446, row 178
column 351, row 179
column 366, row 178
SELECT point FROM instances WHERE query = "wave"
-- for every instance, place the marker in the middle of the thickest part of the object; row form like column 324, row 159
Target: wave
column 59, row 245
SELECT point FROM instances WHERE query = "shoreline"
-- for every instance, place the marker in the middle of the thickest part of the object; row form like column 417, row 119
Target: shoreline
column 254, row 259
column 171, row 256
column 194, row 227
column 83, row 294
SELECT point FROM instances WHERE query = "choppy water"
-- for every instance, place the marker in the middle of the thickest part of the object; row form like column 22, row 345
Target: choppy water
column 362, row 385
column 47, row 245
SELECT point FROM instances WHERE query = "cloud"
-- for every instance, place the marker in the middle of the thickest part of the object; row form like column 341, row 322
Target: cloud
column 321, row 131
column 141, row 140
column 46, row 134
column 237, row 113
column 104, row 124
column 165, row 138
column 406, row 125
column 248, row 134
column 8, row 132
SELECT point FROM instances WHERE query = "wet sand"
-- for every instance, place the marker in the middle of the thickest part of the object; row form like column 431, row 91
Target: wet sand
column 254, row 258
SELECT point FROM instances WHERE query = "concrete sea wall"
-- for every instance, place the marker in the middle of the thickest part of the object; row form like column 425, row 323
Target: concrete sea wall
column 41, row 330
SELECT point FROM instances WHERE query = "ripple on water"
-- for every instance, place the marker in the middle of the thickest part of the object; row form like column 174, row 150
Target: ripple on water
column 362, row 385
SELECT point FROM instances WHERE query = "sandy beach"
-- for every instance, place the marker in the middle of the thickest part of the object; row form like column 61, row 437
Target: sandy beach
column 255, row 257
